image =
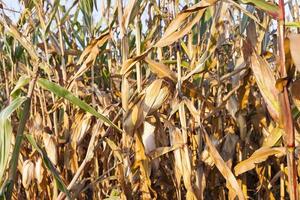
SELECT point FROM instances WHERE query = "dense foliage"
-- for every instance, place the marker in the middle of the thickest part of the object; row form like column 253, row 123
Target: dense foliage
column 149, row 99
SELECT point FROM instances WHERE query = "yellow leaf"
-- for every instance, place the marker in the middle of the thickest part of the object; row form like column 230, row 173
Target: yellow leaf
column 161, row 70
column 295, row 93
column 266, row 83
column 258, row 156
column 295, row 48
column 222, row 167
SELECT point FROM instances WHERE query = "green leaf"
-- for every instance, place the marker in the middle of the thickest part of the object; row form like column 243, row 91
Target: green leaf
column 270, row 8
column 61, row 185
column 6, row 133
column 52, row 15
column 23, row 80
column 64, row 93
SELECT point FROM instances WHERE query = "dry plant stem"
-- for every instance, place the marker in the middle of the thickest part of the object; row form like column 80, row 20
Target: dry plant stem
column 282, row 179
column 86, row 159
column 138, row 52
column 286, row 115
column 6, row 79
column 62, row 49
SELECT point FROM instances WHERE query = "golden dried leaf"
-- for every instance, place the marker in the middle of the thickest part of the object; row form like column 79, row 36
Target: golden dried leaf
column 273, row 137
column 222, row 167
column 50, row 146
column 295, row 93
column 126, row 15
column 152, row 99
column 266, row 83
column 128, row 64
column 39, row 170
column 27, row 173
column 258, row 156
column 168, row 39
column 115, row 149
column 161, row 70
column 295, row 48
column 80, row 131
column 173, row 33
column 176, row 140
column 89, row 55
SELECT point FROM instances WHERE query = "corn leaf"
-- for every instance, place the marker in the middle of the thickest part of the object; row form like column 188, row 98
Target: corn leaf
column 6, row 133
column 64, row 93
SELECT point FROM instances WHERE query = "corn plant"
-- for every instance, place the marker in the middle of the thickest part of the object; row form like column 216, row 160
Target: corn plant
column 157, row 99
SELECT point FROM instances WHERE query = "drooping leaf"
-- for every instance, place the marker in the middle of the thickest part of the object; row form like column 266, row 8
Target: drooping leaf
column 64, row 93
column 295, row 93
column 23, row 80
column 271, row 8
column 174, row 32
column 273, row 137
column 89, row 55
column 49, row 165
column 266, row 83
column 161, row 70
column 258, row 156
column 6, row 133
column 152, row 99
column 222, row 167
column 295, row 49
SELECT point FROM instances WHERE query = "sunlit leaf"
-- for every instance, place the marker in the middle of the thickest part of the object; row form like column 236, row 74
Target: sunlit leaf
column 295, row 48
column 49, row 165
column 271, row 8
column 6, row 133
column 64, row 93
column 266, row 83
column 258, row 156
column 23, row 80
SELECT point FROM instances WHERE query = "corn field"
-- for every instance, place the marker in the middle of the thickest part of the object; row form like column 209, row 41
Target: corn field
column 150, row 99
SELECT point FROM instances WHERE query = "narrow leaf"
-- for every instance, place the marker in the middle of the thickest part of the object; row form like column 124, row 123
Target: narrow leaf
column 6, row 133
column 62, row 92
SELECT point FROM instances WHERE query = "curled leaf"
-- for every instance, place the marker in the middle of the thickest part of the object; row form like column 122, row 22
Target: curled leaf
column 258, row 156
column 266, row 83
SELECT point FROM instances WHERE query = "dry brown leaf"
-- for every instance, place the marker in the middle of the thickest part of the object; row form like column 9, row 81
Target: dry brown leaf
column 176, row 140
column 152, row 98
column 39, row 170
column 80, row 131
column 129, row 63
column 222, row 167
column 126, row 15
column 27, row 173
column 160, row 151
column 173, row 33
column 273, row 136
column 175, row 36
column 161, row 70
column 89, row 55
column 142, row 162
column 51, row 147
column 295, row 48
column 295, row 93
column 115, row 149
column 266, row 84
column 258, row 156
column 185, row 152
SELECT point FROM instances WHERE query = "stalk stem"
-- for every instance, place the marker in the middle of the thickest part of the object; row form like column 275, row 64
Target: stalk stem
column 286, row 121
